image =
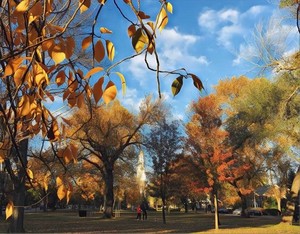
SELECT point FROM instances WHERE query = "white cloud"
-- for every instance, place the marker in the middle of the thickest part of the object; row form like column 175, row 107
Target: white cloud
column 230, row 15
column 131, row 100
column 227, row 33
column 227, row 24
column 208, row 19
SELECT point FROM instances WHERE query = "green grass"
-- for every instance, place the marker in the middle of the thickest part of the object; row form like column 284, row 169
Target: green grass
column 69, row 221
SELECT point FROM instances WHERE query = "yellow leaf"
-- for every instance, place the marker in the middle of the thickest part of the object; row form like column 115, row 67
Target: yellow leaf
column 19, row 75
column 93, row 71
column 84, row 5
column 69, row 193
column 122, row 81
column 24, row 105
column 110, row 92
column 169, row 7
column 9, row 209
column 105, row 30
column 131, row 30
column 110, row 50
column 162, row 19
column 176, row 85
column 12, row 66
column 1, row 158
column 139, row 40
column 86, row 42
column 97, row 89
column 59, row 181
column 23, row 6
column 61, row 192
column 40, row 75
column 57, row 54
column 29, row 173
column 99, row 51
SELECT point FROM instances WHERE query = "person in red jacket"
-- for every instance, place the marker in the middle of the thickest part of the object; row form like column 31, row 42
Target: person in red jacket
column 139, row 212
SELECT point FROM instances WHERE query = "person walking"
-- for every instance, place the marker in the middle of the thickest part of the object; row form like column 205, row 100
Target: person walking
column 144, row 208
column 139, row 212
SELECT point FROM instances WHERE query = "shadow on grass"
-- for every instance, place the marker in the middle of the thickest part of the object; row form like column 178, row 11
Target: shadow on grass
column 177, row 222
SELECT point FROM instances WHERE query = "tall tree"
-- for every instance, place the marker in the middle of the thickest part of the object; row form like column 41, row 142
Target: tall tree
column 164, row 143
column 107, row 136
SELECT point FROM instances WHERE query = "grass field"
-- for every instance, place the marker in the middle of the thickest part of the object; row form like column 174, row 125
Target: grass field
column 177, row 222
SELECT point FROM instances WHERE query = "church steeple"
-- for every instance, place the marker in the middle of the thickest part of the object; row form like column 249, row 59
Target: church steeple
column 140, row 173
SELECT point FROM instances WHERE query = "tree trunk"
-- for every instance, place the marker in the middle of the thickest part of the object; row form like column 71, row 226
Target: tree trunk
column 19, row 192
column 216, row 212
column 244, row 204
column 164, row 210
column 109, row 192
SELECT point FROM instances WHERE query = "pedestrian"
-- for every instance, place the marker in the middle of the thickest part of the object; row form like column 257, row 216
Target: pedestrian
column 139, row 212
column 144, row 207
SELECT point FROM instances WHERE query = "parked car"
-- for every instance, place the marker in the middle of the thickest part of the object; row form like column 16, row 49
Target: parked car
column 255, row 211
column 223, row 211
column 273, row 212
column 237, row 211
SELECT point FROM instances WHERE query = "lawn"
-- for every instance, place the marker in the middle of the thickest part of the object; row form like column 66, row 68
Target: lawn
column 177, row 222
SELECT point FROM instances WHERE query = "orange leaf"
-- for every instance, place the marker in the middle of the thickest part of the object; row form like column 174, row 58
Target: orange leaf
column 86, row 42
column 61, row 192
column 105, row 30
column 97, row 90
column 142, row 15
column 93, row 71
column 59, row 181
column 131, row 30
column 60, row 78
column 110, row 50
column 110, row 92
column 99, row 51
column 9, row 209
column 29, row 173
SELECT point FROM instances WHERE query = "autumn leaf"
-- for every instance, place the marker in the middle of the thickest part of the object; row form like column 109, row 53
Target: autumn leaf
column 9, row 209
column 105, row 30
column 131, row 30
column 69, row 193
column 99, row 51
column 24, row 105
column 110, row 50
column 142, row 15
column 176, row 85
column 60, row 78
column 139, row 40
column 12, row 66
column 19, row 75
column 97, row 90
column 123, row 82
column 93, row 71
column 169, row 7
column 57, row 54
column 61, row 192
column 110, row 92
column 23, row 6
column 84, row 5
column 162, row 19
column 197, row 82
column 86, row 42
column 29, row 173
column 59, row 181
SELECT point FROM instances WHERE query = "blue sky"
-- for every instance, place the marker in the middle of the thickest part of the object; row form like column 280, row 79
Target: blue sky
column 208, row 38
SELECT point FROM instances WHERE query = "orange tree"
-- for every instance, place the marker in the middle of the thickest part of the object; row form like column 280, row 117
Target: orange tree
column 207, row 144
column 106, row 137
column 51, row 49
